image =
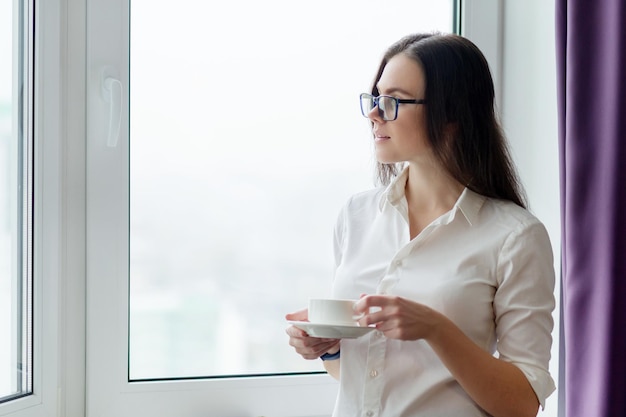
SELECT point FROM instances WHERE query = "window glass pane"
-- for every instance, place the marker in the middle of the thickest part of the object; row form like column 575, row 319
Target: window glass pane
column 246, row 138
column 15, row 283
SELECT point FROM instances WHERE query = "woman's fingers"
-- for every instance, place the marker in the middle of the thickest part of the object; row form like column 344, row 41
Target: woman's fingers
column 306, row 346
column 375, row 308
column 309, row 347
column 397, row 317
column 368, row 301
column 300, row 315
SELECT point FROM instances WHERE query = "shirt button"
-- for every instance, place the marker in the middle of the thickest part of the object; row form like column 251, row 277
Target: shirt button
column 370, row 413
column 398, row 264
column 374, row 373
column 378, row 334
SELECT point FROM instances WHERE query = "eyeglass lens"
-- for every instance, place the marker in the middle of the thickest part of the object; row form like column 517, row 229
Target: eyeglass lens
column 386, row 106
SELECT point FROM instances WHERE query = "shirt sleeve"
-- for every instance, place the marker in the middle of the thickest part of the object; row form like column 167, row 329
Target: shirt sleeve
column 523, row 305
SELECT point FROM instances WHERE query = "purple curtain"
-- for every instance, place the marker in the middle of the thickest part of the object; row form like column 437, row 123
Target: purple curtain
column 591, row 66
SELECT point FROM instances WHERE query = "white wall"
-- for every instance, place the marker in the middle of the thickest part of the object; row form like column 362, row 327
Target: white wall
column 529, row 116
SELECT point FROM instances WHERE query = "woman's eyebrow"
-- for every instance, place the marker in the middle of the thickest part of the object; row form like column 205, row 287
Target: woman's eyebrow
column 393, row 90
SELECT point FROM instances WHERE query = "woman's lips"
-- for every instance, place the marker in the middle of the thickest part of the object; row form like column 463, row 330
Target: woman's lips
column 378, row 138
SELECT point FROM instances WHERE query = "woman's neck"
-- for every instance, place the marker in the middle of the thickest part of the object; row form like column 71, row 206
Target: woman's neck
column 429, row 194
column 430, row 188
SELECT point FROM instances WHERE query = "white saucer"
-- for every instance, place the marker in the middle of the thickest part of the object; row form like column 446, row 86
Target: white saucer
column 331, row 331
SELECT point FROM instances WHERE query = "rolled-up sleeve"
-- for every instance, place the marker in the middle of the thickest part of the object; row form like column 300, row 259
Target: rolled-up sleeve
column 524, row 303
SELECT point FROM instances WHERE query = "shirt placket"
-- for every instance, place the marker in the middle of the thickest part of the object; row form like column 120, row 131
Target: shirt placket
column 372, row 392
column 373, row 387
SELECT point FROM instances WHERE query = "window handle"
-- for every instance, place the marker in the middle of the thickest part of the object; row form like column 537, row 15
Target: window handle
column 112, row 93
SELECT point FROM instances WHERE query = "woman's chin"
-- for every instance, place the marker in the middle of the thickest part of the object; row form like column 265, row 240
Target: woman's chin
column 386, row 159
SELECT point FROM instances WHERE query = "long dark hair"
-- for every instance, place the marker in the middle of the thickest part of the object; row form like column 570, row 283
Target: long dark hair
column 459, row 93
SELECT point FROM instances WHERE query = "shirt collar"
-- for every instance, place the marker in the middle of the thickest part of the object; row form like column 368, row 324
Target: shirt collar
column 395, row 190
column 469, row 202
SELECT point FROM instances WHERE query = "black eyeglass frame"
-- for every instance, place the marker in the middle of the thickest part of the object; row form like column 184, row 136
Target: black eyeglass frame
column 381, row 113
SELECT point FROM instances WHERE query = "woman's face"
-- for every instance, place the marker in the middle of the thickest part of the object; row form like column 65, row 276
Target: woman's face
column 406, row 138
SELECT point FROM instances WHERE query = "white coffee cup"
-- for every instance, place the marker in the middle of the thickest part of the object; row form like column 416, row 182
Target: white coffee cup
column 333, row 311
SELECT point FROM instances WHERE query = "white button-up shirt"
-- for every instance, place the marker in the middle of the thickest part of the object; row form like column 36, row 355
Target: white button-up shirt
column 486, row 264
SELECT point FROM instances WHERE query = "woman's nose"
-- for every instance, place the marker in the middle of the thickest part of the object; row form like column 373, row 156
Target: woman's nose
column 374, row 114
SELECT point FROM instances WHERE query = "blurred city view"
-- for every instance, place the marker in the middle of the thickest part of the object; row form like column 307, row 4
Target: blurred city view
column 11, row 330
column 8, row 252
column 246, row 139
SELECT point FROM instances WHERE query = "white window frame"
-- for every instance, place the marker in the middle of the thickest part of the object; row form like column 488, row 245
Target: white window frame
column 58, row 241
column 482, row 21
column 82, row 372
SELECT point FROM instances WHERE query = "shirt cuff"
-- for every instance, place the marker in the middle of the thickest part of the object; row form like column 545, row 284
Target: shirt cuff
column 540, row 381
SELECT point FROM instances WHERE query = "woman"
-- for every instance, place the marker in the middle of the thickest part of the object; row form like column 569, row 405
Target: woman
column 452, row 270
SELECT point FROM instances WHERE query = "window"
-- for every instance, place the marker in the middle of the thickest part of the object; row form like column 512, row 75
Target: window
column 16, row 318
column 245, row 141
column 211, row 212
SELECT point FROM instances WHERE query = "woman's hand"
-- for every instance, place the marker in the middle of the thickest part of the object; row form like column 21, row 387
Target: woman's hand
column 306, row 346
column 397, row 317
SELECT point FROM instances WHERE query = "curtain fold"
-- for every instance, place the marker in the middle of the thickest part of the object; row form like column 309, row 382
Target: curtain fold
column 591, row 82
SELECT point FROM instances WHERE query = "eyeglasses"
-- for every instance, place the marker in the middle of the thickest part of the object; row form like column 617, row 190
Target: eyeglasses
column 387, row 105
